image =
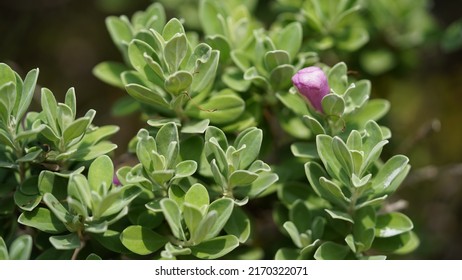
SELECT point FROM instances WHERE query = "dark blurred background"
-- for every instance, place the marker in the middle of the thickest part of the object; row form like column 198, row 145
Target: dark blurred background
column 67, row 38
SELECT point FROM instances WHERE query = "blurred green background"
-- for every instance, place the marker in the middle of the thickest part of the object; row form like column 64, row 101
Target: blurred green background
column 415, row 61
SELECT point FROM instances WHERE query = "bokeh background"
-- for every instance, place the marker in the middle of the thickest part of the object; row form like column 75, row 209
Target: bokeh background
column 413, row 59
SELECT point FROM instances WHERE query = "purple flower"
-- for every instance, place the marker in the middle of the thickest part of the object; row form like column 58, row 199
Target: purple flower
column 311, row 82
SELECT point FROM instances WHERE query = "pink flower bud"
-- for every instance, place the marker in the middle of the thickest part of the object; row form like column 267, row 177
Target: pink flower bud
column 311, row 82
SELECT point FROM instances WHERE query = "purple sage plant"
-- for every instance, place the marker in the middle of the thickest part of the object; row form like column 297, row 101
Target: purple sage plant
column 311, row 82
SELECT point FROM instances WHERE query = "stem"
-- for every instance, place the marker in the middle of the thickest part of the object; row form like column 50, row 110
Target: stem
column 82, row 244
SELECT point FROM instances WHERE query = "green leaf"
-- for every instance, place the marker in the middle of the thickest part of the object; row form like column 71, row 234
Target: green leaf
column 29, row 135
column 42, row 219
column 331, row 251
column 392, row 224
column 172, row 27
column 175, row 51
column 219, row 135
column 314, row 125
column 145, row 60
column 205, row 73
column 185, row 169
column 166, row 135
column 198, row 196
column 177, row 194
column 20, row 248
column 242, row 178
column 53, row 254
column 327, row 189
column 208, row 15
column 76, row 131
column 391, row 174
column 110, row 72
column 359, row 94
column 216, row 247
column 27, row 93
column 120, row 31
column 27, row 197
column 3, row 249
column 275, row 58
column 364, row 228
column 292, row 230
column 290, row 39
column 178, row 83
column 354, row 141
column 305, row 150
column 85, row 153
column 251, row 139
column 232, row 77
column 192, row 217
column 217, row 158
column 141, row 240
column 287, row 254
column 451, row 39
column 194, row 127
column 66, row 242
column 399, row 244
column 259, row 186
column 146, row 95
column 342, row 154
column 333, row 105
column 327, row 155
column 93, row 257
column 224, row 208
column 111, row 240
column 173, row 216
column 259, row 166
column 204, row 227
column 300, row 215
column 49, row 107
column 372, row 110
column 224, row 107
column 51, row 182
column 280, row 77
column 238, row 225
column 8, row 97
column 100, row 174
column 6, row 74
column 339, row 215
column 79, row 189
column 337, row 78
column 56, row 207
column 294, row 102
column 5, row 139
column 254, row 76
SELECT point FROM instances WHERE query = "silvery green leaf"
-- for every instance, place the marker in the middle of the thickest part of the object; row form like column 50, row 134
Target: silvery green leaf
column 238, row 224
column 216, row 247
column 178, row 83
column 20, row 248
column 276, row 58
column 42, row 219
column 141, row 240
column 392, row 224
column 172, row 28
column 65, row 242
column 333, row 105
column 185, row 169
column 175, row 51
column 27, row 93
column 172, row 215
column 198, row 196
column 224, row 208
column 290, row 39
column 109, row 72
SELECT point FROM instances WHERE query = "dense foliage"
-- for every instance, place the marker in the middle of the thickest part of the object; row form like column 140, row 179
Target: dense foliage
column 228, row 136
